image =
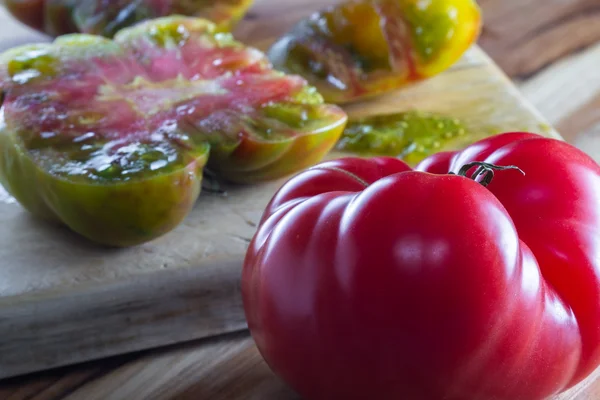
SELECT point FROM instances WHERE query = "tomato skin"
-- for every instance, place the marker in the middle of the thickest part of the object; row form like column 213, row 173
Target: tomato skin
column 438, row 163
column 558, row 216
column 106, row 17
column 359, row 49
column 366, row 280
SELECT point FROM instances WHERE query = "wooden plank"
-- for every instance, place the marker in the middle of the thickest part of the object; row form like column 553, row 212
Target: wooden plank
column 581, row 121
column 551, row 47
column 182, row 286
column 590, row 141
column 563, row 89
column 166, row 307
column 526, row 36
column 228, row 368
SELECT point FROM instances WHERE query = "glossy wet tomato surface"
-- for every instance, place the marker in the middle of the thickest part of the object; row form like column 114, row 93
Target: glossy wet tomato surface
column 369, row 280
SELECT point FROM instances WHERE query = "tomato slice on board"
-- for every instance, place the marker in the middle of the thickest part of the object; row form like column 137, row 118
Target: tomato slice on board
column 111, row 137
column 362, row 48
column 107, row 17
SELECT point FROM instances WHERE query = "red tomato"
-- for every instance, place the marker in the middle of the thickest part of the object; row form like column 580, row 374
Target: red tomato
column 367, row 280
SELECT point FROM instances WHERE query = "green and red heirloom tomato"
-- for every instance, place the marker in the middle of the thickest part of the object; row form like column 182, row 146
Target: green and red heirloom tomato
column 369, row 280
column 363, row 48
column 107, row 17
column 111, row 137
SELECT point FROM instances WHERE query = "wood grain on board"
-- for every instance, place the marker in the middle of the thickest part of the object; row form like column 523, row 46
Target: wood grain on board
column 551, row 49
column 227, row 368
column 184, row 287
column 526, row 36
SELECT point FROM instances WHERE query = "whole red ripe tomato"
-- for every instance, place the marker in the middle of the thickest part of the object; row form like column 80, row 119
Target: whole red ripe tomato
column 367, row 280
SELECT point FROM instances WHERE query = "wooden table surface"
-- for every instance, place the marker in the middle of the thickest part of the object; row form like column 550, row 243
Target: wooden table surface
column 550, row 48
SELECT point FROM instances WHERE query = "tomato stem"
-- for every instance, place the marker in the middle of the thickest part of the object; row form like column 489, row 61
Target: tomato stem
column 486, row 170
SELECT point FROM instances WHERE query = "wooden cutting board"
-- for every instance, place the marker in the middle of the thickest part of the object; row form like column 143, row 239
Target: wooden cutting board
column 64, row 300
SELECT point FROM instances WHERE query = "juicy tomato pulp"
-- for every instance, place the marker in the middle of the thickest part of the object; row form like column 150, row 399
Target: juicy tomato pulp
column 148, row 107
